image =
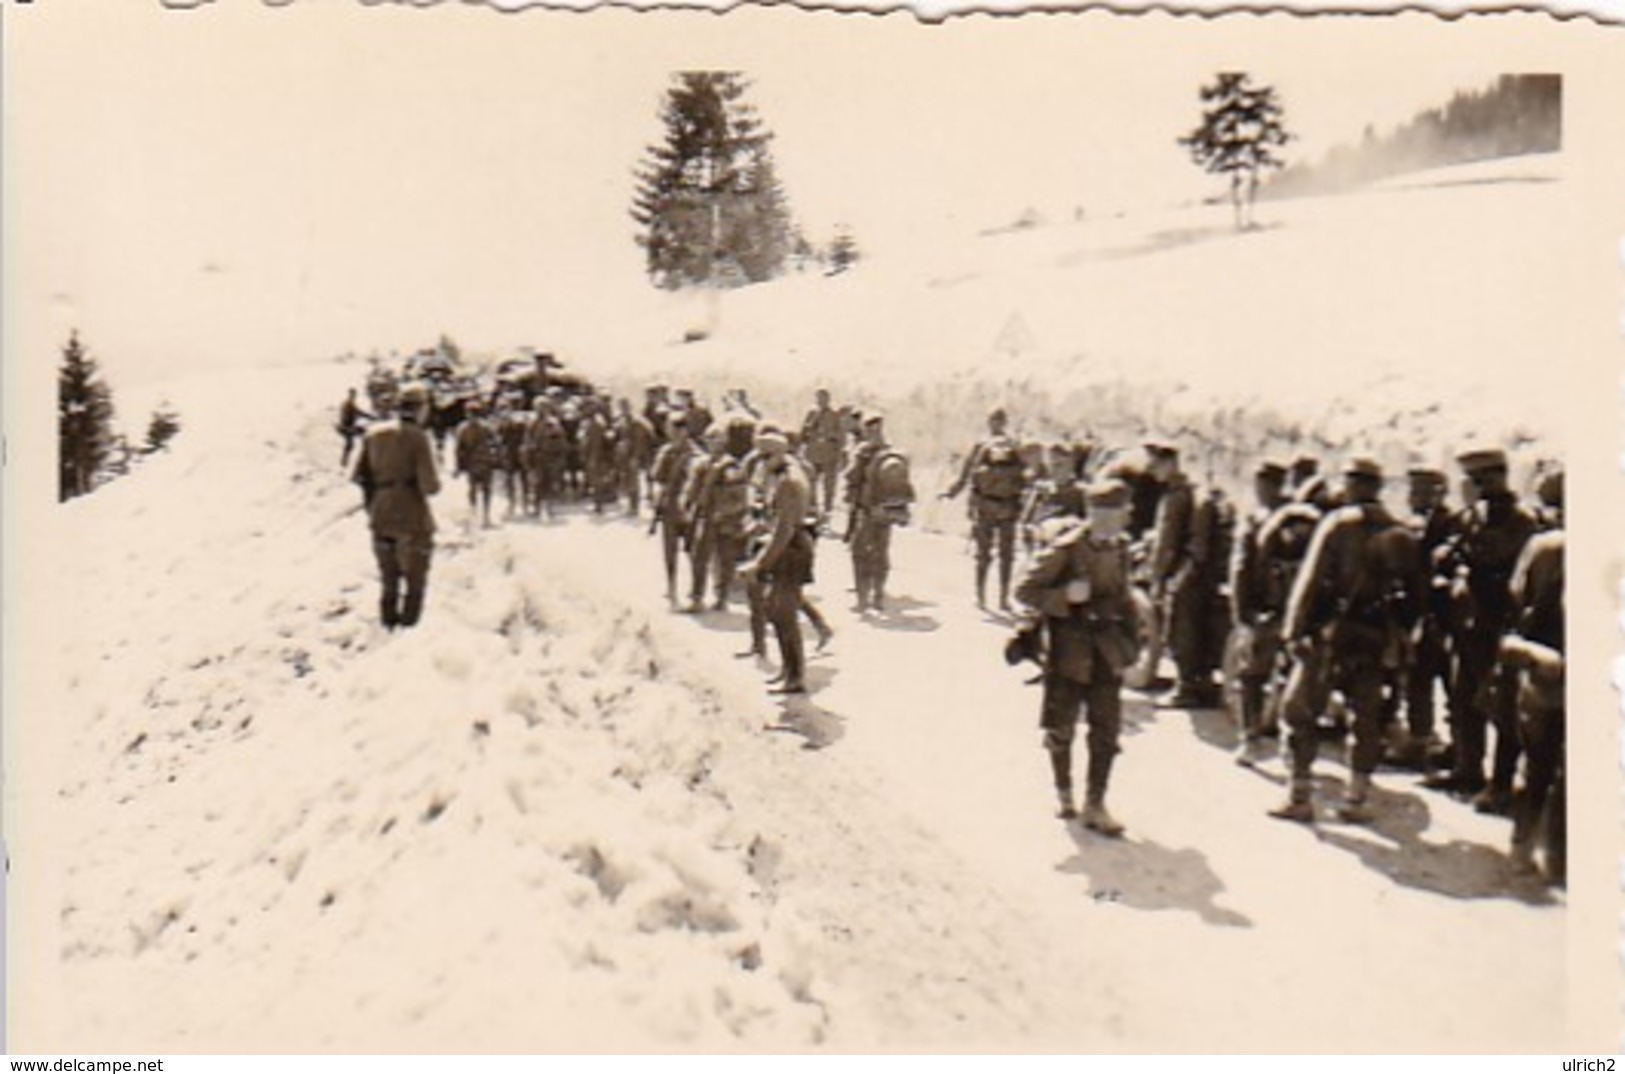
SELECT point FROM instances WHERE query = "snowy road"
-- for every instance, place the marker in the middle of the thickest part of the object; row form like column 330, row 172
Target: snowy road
column 559, row 816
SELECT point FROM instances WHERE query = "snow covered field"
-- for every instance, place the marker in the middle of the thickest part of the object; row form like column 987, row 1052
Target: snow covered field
column 558, row 817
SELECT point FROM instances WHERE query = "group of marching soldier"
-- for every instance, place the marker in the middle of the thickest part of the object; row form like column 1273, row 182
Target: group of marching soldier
column 1315, row 608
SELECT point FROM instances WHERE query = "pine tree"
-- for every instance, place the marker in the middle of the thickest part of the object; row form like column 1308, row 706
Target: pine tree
column 162, row 427
column 1241, row 127
column 84, row 422
column 843, row 251
column 708, row 202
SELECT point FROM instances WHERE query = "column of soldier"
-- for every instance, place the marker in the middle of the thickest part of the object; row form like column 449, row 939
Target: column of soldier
column 741, row 500
column 1321, row 607
column 1326, row 612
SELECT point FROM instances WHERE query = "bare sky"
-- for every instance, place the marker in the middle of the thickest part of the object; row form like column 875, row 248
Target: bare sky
column 319, row 178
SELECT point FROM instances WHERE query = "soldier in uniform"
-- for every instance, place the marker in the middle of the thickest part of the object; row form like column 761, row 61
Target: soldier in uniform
column 546, row 451
column 397, row 475
column 513, row 430
column 700, row 541
column 1490, row 534
column 1055, row 497
column 352, row 424
column 598, row 455
column 1535, row 651
column 823, row 438
column 1185, row 578
column 1429, row 665
column 1359, row 592
column 478, row 453
column 1258, row 605
column 634, row 452
column 669, row 477
column 786, row 563
column 1079, row 588
column 997, row 478
column 874, row 510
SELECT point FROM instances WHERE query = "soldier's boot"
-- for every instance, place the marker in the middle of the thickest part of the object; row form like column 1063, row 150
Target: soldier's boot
column 1060, row 762
column 981, row 585
column 1522, row 851
column 1006, row 568
column 1299, row 805
column 1356, row 806
column 412, row 607
column 1495, row 799
column 1096, row 818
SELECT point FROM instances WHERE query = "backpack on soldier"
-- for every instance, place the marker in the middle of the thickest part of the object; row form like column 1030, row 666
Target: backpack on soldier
column 890, row 488
column 999, row 474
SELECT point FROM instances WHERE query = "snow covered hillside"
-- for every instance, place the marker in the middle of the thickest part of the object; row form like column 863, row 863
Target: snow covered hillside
column 556, row 816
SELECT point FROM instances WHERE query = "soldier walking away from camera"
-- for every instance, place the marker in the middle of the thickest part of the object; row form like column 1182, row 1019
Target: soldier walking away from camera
column 699, row 540
column 478, row 452
column 997, row 479
column 823, row 438
column 1535, row 651
column 1259, row 603
column 727, row 506
column 669, row 477
column 352, row 424
column 786, row 563
column 1079, row 588
column 396, row 472
column 1490, row 534
column 879, row 493
column 1356, row 598
column 1428, row 671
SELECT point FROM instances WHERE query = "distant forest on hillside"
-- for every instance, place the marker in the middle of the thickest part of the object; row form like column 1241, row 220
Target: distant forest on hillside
column 1518, row 114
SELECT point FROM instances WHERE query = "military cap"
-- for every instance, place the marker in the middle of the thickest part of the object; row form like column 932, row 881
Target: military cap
column 1363, row 466
column 414, row 395
column 677, row 418
column 1482, row 458
column 1305, row 466
column 1108, row 492
column 1270, row 470
column 772, row 439
column 1161, row 449
column 873, row 419
column 998, row 414
column 1426, row 477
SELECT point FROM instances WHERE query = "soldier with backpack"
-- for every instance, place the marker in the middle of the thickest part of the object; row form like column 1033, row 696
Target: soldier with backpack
column 1258, row 606
column 1080, row 590
column 1354, row 601
column 669, row 476
column 997, row 477
column 478, row 453
column 879, row 492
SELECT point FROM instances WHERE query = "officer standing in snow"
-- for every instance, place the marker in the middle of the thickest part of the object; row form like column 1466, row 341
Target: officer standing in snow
column 396, row 472
column 1080, row 589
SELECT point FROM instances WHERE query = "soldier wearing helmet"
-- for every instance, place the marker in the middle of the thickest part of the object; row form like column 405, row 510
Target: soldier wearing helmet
column 1355, row 599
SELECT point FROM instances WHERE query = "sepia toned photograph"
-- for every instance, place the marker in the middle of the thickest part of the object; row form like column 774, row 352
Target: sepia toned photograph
column 790, row 532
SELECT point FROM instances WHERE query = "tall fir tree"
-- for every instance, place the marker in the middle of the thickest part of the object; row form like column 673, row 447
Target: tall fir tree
column 708, row 202
column 1242, row 126
column 84, row 421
